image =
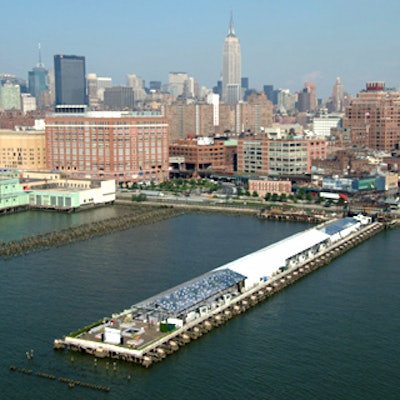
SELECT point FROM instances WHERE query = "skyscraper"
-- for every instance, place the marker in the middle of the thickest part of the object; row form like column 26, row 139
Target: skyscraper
column 338, row 96
column 311, row 88
column 231, row 68
column 70, row 80
column 38, row 79
column 176, row 82
column 93, row 98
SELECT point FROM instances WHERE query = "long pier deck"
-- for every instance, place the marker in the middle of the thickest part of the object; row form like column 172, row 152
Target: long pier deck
column 158, row 344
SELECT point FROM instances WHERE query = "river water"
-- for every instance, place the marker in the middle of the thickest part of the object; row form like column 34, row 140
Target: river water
column 333, row 335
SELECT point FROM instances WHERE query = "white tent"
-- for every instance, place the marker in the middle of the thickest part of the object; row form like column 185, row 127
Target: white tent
column 264, row 262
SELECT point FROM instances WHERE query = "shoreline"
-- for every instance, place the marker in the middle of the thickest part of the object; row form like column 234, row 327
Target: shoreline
column 143, row 213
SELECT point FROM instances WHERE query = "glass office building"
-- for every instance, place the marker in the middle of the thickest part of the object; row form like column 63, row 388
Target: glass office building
column 70, row 80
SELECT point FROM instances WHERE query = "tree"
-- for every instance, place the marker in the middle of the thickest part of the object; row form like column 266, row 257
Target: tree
column 300, row 194
column 255, row 194
column 267, row 196
column 283, row 197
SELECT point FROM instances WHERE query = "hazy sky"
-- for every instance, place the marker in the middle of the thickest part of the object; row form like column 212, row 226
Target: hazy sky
column 284, row 43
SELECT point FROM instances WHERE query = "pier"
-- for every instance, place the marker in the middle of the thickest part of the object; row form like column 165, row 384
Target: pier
column 144, row 335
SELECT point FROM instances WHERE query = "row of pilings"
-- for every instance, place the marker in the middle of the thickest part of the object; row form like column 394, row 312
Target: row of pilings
column 71, row 382
column 132, row 216
column 256, row 296
column 293, row 217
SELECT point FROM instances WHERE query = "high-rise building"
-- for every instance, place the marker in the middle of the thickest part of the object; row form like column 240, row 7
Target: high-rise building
column 38, row 80
column 269, row 92
column 245, row 83
column 323, row 124
column 338, row 96
column 93, row 98
column 191, row 88
column 10, row 97
column 155, row 85
column 307, row 98
column 214, row 118
column 28, row 102
column 176, row 83
column 231, row 68
column 119, row 98
column 103, row 82
column 311, row 88
column 373, row 118
column 137, row 85
column 285, row 101
column 70, row 80
column 125, row 146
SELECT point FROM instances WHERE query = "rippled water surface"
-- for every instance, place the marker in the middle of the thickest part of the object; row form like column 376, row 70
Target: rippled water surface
column 333, row 335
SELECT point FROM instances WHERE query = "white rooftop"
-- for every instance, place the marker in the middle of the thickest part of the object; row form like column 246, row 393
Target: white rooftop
column 267, row 260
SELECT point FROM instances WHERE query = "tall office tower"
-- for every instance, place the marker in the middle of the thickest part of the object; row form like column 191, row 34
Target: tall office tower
column 269, row 92
column 374, row 117
column 38, row 80
column 218, row 89
column 176, row 83
column 155, row 85
column 304, row 101
column 285, row 101
column 231, row 68
column 70, row 80
column 245, row 83
column 93, row 98
column 191, row 88
column 119, row 98
column 215, row 118
column 311, row 88
column 134, row 81
column 338, row 96
column 103, row 83
column 137, row 85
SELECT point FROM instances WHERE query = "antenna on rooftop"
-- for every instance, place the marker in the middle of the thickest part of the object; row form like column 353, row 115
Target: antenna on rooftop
column 40, row 64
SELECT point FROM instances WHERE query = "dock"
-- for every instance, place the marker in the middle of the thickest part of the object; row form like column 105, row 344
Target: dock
column 147, row 332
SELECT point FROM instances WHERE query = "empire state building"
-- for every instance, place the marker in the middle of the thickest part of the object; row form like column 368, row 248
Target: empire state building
column 231, row 68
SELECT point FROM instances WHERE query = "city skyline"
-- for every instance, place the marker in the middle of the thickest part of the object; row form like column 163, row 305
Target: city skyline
column 282, row 44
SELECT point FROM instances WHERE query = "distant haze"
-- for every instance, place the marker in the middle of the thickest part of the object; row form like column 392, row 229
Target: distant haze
column 282, row 43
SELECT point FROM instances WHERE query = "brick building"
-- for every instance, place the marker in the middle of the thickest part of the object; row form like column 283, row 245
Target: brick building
column 201, row 154
column 124, row 146
column 343, row 162
column 264, row 186
column 209, row 119
column 260, row 155
column 374, row 118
